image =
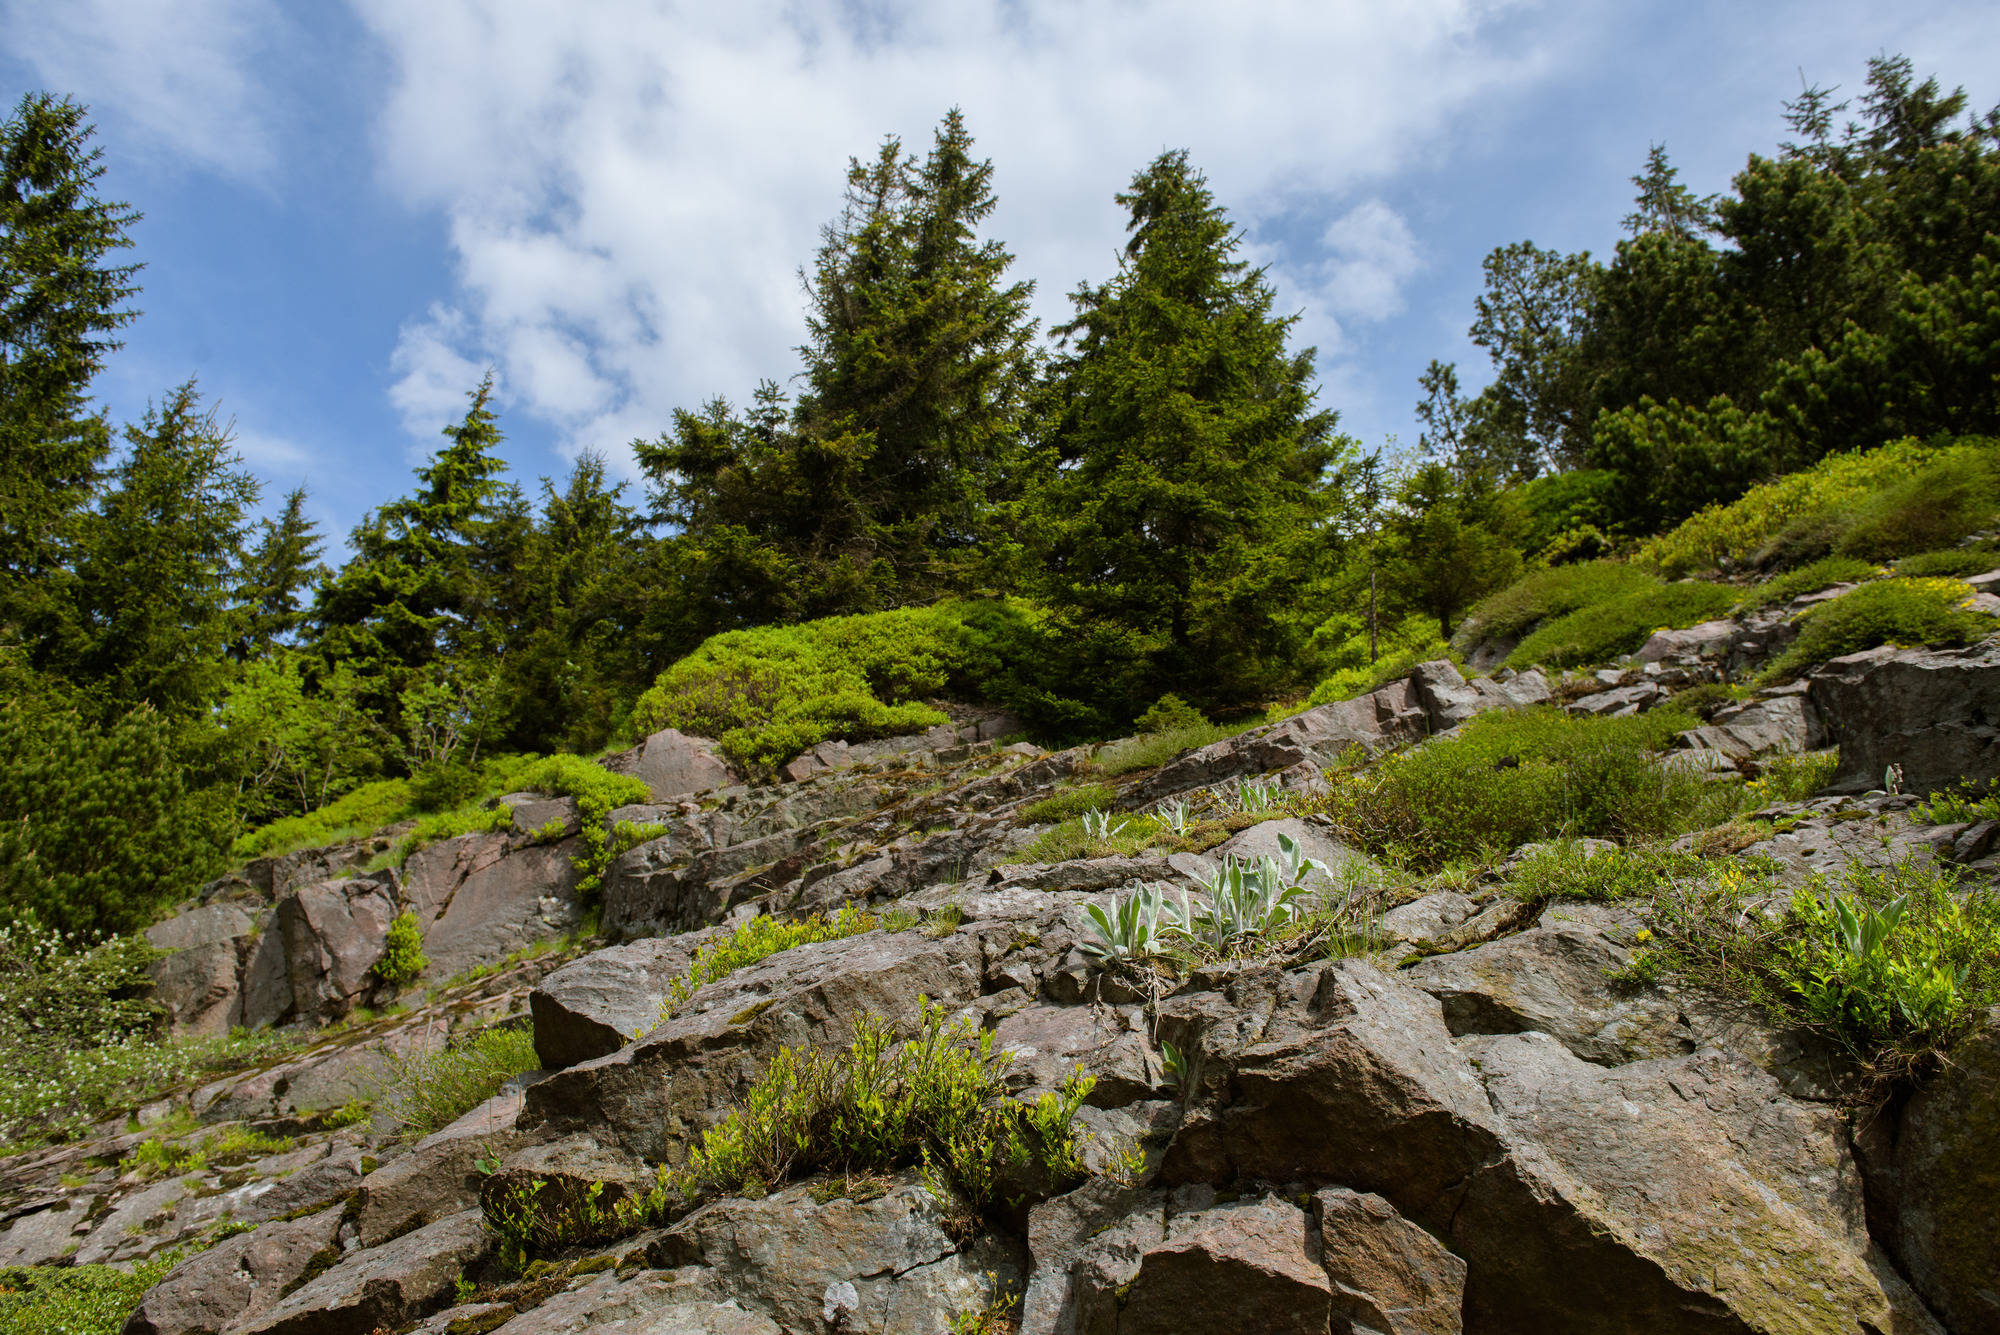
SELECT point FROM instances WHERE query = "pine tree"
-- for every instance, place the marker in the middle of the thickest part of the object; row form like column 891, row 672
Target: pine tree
column 422, row 564
column 277, row 574
column 158, row 584
column 878, row 485
column 61, row 300
column 1186, row 463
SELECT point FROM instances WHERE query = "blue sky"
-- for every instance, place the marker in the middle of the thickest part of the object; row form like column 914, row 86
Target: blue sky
column 353, row 207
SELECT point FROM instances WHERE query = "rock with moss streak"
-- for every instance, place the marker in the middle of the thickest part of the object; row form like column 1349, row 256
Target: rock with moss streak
column 1935, row 712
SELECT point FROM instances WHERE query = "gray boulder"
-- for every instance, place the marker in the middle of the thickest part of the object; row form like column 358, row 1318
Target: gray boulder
column 1388, row 1275
column 436, row 1177
column 598, row 1004
column 481, row 897
column 383, row 1286
column 1935, row 712
column 199, row 979
column 236, row 1281
column 672, row 764
column 332, row 934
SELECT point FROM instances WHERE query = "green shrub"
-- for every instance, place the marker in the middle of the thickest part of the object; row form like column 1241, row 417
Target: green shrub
column 432, row 1090
column 1514, row 778
column 769, row 693
column 598, row 792
column 1821, row 574
column 98, row 830
column 938, row 1099
column 1619, row 626
column 1547, row 594
column 1960, row 806
column 1069, row 803
column 1081, row 837
column 1703, row 700
column 1889, row 611
column 1791, row 777
column 1402, row 646
column 1956, row 563
column 350, row 816
column 1948, row 498
column 758, row 939
column 77, row 1299
column 403, row 959
column 1157, row 748
column 1737, row 531
column 1567, row 870
column 76, row 1035
column 1170, row 713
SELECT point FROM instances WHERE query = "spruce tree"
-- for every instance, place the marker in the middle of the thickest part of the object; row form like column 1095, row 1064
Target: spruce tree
column 1186, row 463
column 278, row 573
column 62, row 298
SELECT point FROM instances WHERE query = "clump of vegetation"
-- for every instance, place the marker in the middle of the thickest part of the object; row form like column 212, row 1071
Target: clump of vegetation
column 1950, row 497
column 403, row 959
column 78, row 1299
column 1069, row 803
column 1957, row 806
column 166, row 1155
column 1401, row 646
column 938, row 1100
column 1095, row 834
column 1890, row 611
column 1620, row 625
column 1821, row 574
column 1894, row 965
column 1791, row 776
column 769, row 693
column 1955, row 563
column 432, row 1090
column 1547, row 594
column 1514, row 778
column 758, row 939
column 1735, row 532
column 1568, row 869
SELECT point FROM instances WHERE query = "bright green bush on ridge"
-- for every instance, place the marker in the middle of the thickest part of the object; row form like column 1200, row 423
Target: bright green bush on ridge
column 1619, row 626
column 1890, row 611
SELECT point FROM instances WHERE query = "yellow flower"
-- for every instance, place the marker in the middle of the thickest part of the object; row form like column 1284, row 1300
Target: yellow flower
column 1644, row 935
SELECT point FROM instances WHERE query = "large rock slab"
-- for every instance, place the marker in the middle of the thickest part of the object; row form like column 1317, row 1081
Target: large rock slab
column 1388, row 1275
column 1391, row 716
column 1244, row 1265
column 1777, row 722
column 1449, row 699
column 596, row 1005
column 1945, row 1224
column 883, row 1264
column 673, row 764
column 199, row 979
column 236, row 1281
column 652, row 1096
column 332, row 935
column 383, row 1286
column 481, row 897
column 1935, row 712
column 437, row 1176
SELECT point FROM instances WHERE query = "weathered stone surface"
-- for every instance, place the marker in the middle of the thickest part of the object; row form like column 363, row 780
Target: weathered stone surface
column 1681, row 1195
column 236, row 1281
column 1390, row 716
column 382, row 1286
column 44, row 1232
column 885, row 1264
column 1245, row 1265
column 198, row 981
column 1388, row 1275
column 1427, row 919
column 1620, row 701
column 648, row 1303
column 483, row 896
column 1556, row 979
column 1448, row 699
column 1109, row 1042
column 332, row 934
column 1710, row 639
column 1935, row 712
column 672, row 764
column 533, row 813
column 598, row 1004
column 652, row 1095
column 129, row 1228
column 1754, row 728
column 1945, row 1226
column 1261, row 840
column 436, row 1177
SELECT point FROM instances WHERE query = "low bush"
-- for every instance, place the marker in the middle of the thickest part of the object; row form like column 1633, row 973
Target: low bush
column 350, row 816
column 1069, row 803
column 1401, row 646
column 432, row 1090
column 1788, row 776
column 1085, row 837
column 403, row 959
column 1547, row 594
column 1889, row 611
column 1704, row 699
column 1514, row 778
column 1821, row 574
column 1894, row 964
column 1569, row 870
column 1955, row 563
column 1957, row 806
column 1170, row 713
column 78, row 1299
column 757, row 939
column 1157, row 748
column 938, row 1099
column 1610, row 629
column 1947, row 499
column 76, row 1035
column 1737, row 531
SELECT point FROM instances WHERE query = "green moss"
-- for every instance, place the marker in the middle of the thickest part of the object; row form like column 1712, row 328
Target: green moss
column 77, row 1300
column 1957, row 562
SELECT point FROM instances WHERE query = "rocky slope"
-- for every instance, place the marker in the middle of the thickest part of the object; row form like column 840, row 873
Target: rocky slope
column 1471, row 1127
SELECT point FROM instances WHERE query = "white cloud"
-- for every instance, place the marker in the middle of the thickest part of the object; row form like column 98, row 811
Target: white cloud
column 176, row 72
column 632, row 186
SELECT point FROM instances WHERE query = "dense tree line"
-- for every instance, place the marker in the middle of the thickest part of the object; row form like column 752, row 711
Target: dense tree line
column 1156, row 480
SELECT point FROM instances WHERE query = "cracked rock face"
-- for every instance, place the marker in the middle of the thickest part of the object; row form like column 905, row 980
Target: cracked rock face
column 1479, row 1129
